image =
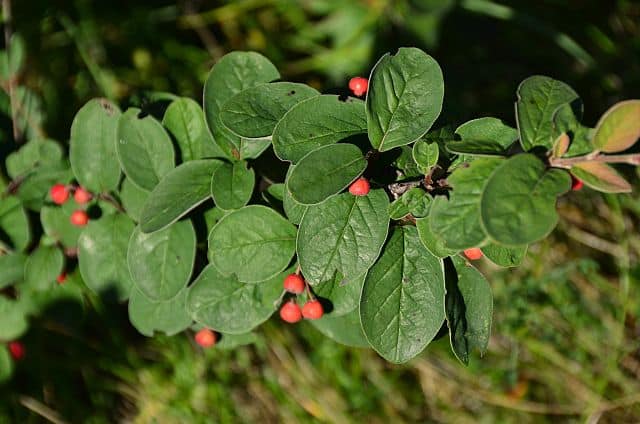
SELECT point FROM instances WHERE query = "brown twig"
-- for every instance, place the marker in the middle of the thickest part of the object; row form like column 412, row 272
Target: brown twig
column 632, row 159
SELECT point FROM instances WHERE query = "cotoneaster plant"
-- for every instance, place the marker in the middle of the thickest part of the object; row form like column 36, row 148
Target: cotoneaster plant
column 355, row 214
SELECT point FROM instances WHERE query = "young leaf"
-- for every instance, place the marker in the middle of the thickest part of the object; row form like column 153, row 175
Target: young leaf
column 425, row 155
column 518, row 204
column 185, row 121
column 343, row 295
column 14, row 321
column 144, row 149
column 619, row 127
column 102, row 255
column 503, row 255
column 561, row 145
column 457, row 221
column 133, row 199
column 181, row 190
column 56, row 224
column 404, row 98
column 343, row 234
column 42, row 267
column 402, row 303
column 14, row 224
column 602, row 177
column 325, row 172
column 483, row 137
column 469, row 306
column 232, row 185
column 254, row 243
column 254, row 112
column 232, row 74
column 344, row 329
column 161, row 263
column 92, row 146
column 230, row 306
column 414, row 201
column 34, row 153
column 566, row 122
column 169, row 316
column 538, row 99
column 334, row 119
column 429, row 240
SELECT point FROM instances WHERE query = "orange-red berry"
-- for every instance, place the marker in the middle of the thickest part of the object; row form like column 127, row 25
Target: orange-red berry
column 82, row 196
column 576, row 183
column 360, row 187
column 205, row 338
column 290, row 312
column 59, row 193
column 358, row 85
column 294, row 283
column 17, row 350
column 473, row 253
column 62, row 278
column 312, row 310
column 79, row 218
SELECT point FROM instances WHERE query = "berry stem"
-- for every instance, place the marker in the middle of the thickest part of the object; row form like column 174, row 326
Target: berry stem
column 109, row 199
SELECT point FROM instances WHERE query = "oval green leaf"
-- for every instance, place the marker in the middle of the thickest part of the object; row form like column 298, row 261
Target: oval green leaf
column 42, row 267
column 14, row 320
column 503, row 255
column 344, row 329
column 425, row 155
column 232, row 185
column 483, row 137
column 169, row 316
column 342, row 295
column 34, row 153
column 14, row 224
column 57, row 225
column 133, row 199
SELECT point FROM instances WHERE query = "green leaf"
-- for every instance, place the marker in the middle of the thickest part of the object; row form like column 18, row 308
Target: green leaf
column 34, row 153
column 407, row 165
column 619, row 127
column 12, row 266
column 343, row 295
column 230, row 306
column 232, row 185
column 14, row 320
column 334, row 119
column 234, row 341
column 518, row 205
column 294, row 210
column 57, row 224
column 133, row 199
column 428, row 238
column 254, row 112
column 344, row 329
column 402, row 303
column 169, row 316
column 92, row 149
column 102, row 255
column 469, row 306
column 144, row 148
column 181, row 190
column 602, row 177
column 457, row 221
column 184, row 119
column 344, row 234
column 538, row 99
column 565, row 121
column 404, row 98
column 425, row 155
column 6, row 364
column 42, row 267
column 504, row 256
column 324, row 172
column 14, row 224
column 232, row 74
column 483, row 137
column 255, row 243
column 161, row 263
column 12, row 59
column 414, row 201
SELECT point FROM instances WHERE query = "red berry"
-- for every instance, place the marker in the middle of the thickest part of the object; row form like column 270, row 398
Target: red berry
column 576, row 183
column 360, row 187
column 290, row 312
column 79, row 218
column 358, row 85
column 294, row 283
column 59, row 193
column 312, row 310
column 82, row 196
column 17, row 350
column 473, row 253
column 205, row 338
column 62, row 278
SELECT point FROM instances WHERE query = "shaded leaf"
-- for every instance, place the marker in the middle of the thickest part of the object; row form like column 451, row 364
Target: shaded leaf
column 344, row 329
column 34, row 153
column 14, row 224
column 169, row 316
column 42, row 267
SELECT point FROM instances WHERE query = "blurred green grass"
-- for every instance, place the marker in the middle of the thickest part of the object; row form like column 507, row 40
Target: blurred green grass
column 566, row 336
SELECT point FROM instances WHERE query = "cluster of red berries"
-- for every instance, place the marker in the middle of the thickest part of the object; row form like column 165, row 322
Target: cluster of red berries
column 59, row 194
column 291, row 311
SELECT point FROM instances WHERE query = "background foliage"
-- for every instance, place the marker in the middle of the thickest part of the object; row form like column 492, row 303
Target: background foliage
column 565, row 334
